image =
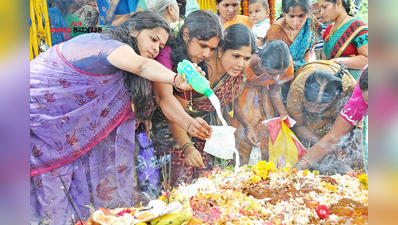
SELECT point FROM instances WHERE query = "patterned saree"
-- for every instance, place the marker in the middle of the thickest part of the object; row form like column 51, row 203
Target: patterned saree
column 302, row 44
column 320, row 123
column 345, row 41
column 226, row 89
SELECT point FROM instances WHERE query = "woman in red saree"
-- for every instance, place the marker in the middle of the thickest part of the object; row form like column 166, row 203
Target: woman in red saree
column 346, row 40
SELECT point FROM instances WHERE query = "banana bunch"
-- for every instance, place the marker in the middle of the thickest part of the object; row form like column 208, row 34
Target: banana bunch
column 179, row 218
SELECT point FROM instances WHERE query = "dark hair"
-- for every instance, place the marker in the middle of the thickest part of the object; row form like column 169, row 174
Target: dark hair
column 138, row 87
column 346, row 4
column 363, row 81
column 275, row 55
column 238, row 35
column 264, row 2
column 202, row 25
column 305, row 5
column 183, row 9
column 325, row 83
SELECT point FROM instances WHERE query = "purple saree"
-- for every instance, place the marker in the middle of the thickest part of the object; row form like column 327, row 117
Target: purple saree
column 83, row 129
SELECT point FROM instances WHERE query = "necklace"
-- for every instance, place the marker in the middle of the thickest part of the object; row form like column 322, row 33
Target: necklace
column 230, row 112
column 188, row 102
column 291, row 32
column 335, row 28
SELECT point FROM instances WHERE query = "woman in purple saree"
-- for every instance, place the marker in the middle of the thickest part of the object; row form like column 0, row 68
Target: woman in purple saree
column 82, row 120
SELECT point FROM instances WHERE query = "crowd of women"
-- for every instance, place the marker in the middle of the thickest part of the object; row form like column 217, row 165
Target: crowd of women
column 86, row 104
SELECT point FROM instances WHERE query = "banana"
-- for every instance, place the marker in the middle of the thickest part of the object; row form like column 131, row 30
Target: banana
column 176, row 218
column 156, row 221
column 182, row 199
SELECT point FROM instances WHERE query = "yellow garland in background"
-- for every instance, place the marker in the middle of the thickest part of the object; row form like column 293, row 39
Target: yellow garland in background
column 207, row 5
column 39, row 29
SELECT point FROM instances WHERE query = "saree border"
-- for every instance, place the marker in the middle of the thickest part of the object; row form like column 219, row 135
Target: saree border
column 341, row 32
column 348, row 42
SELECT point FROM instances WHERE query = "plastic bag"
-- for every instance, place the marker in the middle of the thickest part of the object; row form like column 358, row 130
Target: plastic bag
column 284, row 146
column 222, row 143
column 147, row 165
column 255, row 155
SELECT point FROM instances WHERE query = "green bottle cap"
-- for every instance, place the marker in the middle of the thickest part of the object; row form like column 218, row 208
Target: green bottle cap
column 208, row 92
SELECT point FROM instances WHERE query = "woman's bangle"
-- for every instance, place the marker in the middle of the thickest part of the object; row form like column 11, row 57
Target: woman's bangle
column 185, row 146
column 174, row 83
column 306, row 162
column 249, row 127
column 185, row 135
column 189, row 126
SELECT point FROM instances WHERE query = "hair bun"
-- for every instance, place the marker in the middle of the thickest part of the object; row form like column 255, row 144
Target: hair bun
column 340, row 72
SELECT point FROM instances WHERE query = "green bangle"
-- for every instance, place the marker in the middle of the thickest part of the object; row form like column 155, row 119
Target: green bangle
column 186, row 146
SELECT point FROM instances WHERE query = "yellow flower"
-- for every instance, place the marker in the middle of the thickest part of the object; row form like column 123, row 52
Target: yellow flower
column 161, row 198
column 254, row 179
column 305, row 172
column 262, row 168
column 332, row 188
column 363, row 180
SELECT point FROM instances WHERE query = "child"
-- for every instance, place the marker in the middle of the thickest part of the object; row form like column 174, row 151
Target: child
column 258, row 14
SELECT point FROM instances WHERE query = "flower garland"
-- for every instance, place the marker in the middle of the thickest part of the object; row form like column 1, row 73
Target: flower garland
column 245, row 7
column 175, row 27
column 271, row 5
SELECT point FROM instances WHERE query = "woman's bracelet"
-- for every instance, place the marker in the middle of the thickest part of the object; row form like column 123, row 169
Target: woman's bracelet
column 306, row 162
column 189, row 126
column 185, row 135
column 249, row 127
column 174, row 83
column 185, row 146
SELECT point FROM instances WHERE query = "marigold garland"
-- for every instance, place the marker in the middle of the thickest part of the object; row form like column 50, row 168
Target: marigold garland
column 271, row 5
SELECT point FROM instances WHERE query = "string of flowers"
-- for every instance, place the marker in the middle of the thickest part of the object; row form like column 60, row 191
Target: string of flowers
column 245, row 7
column 271, row 4
column 176, row 26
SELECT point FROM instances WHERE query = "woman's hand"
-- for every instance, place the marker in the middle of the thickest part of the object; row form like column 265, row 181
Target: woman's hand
column 180, row 83
column 283, row 114
column 200, row 129
column 251, row 137
column 300, row 166
column 193, row 157
column 199, row 69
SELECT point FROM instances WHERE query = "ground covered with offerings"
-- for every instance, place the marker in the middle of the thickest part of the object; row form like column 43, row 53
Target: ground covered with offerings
column 262, row 194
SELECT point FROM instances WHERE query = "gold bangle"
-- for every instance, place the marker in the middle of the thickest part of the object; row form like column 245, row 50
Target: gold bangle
column 307, row 162
column 249, row 127
column 189, row 126
column 185, row 135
